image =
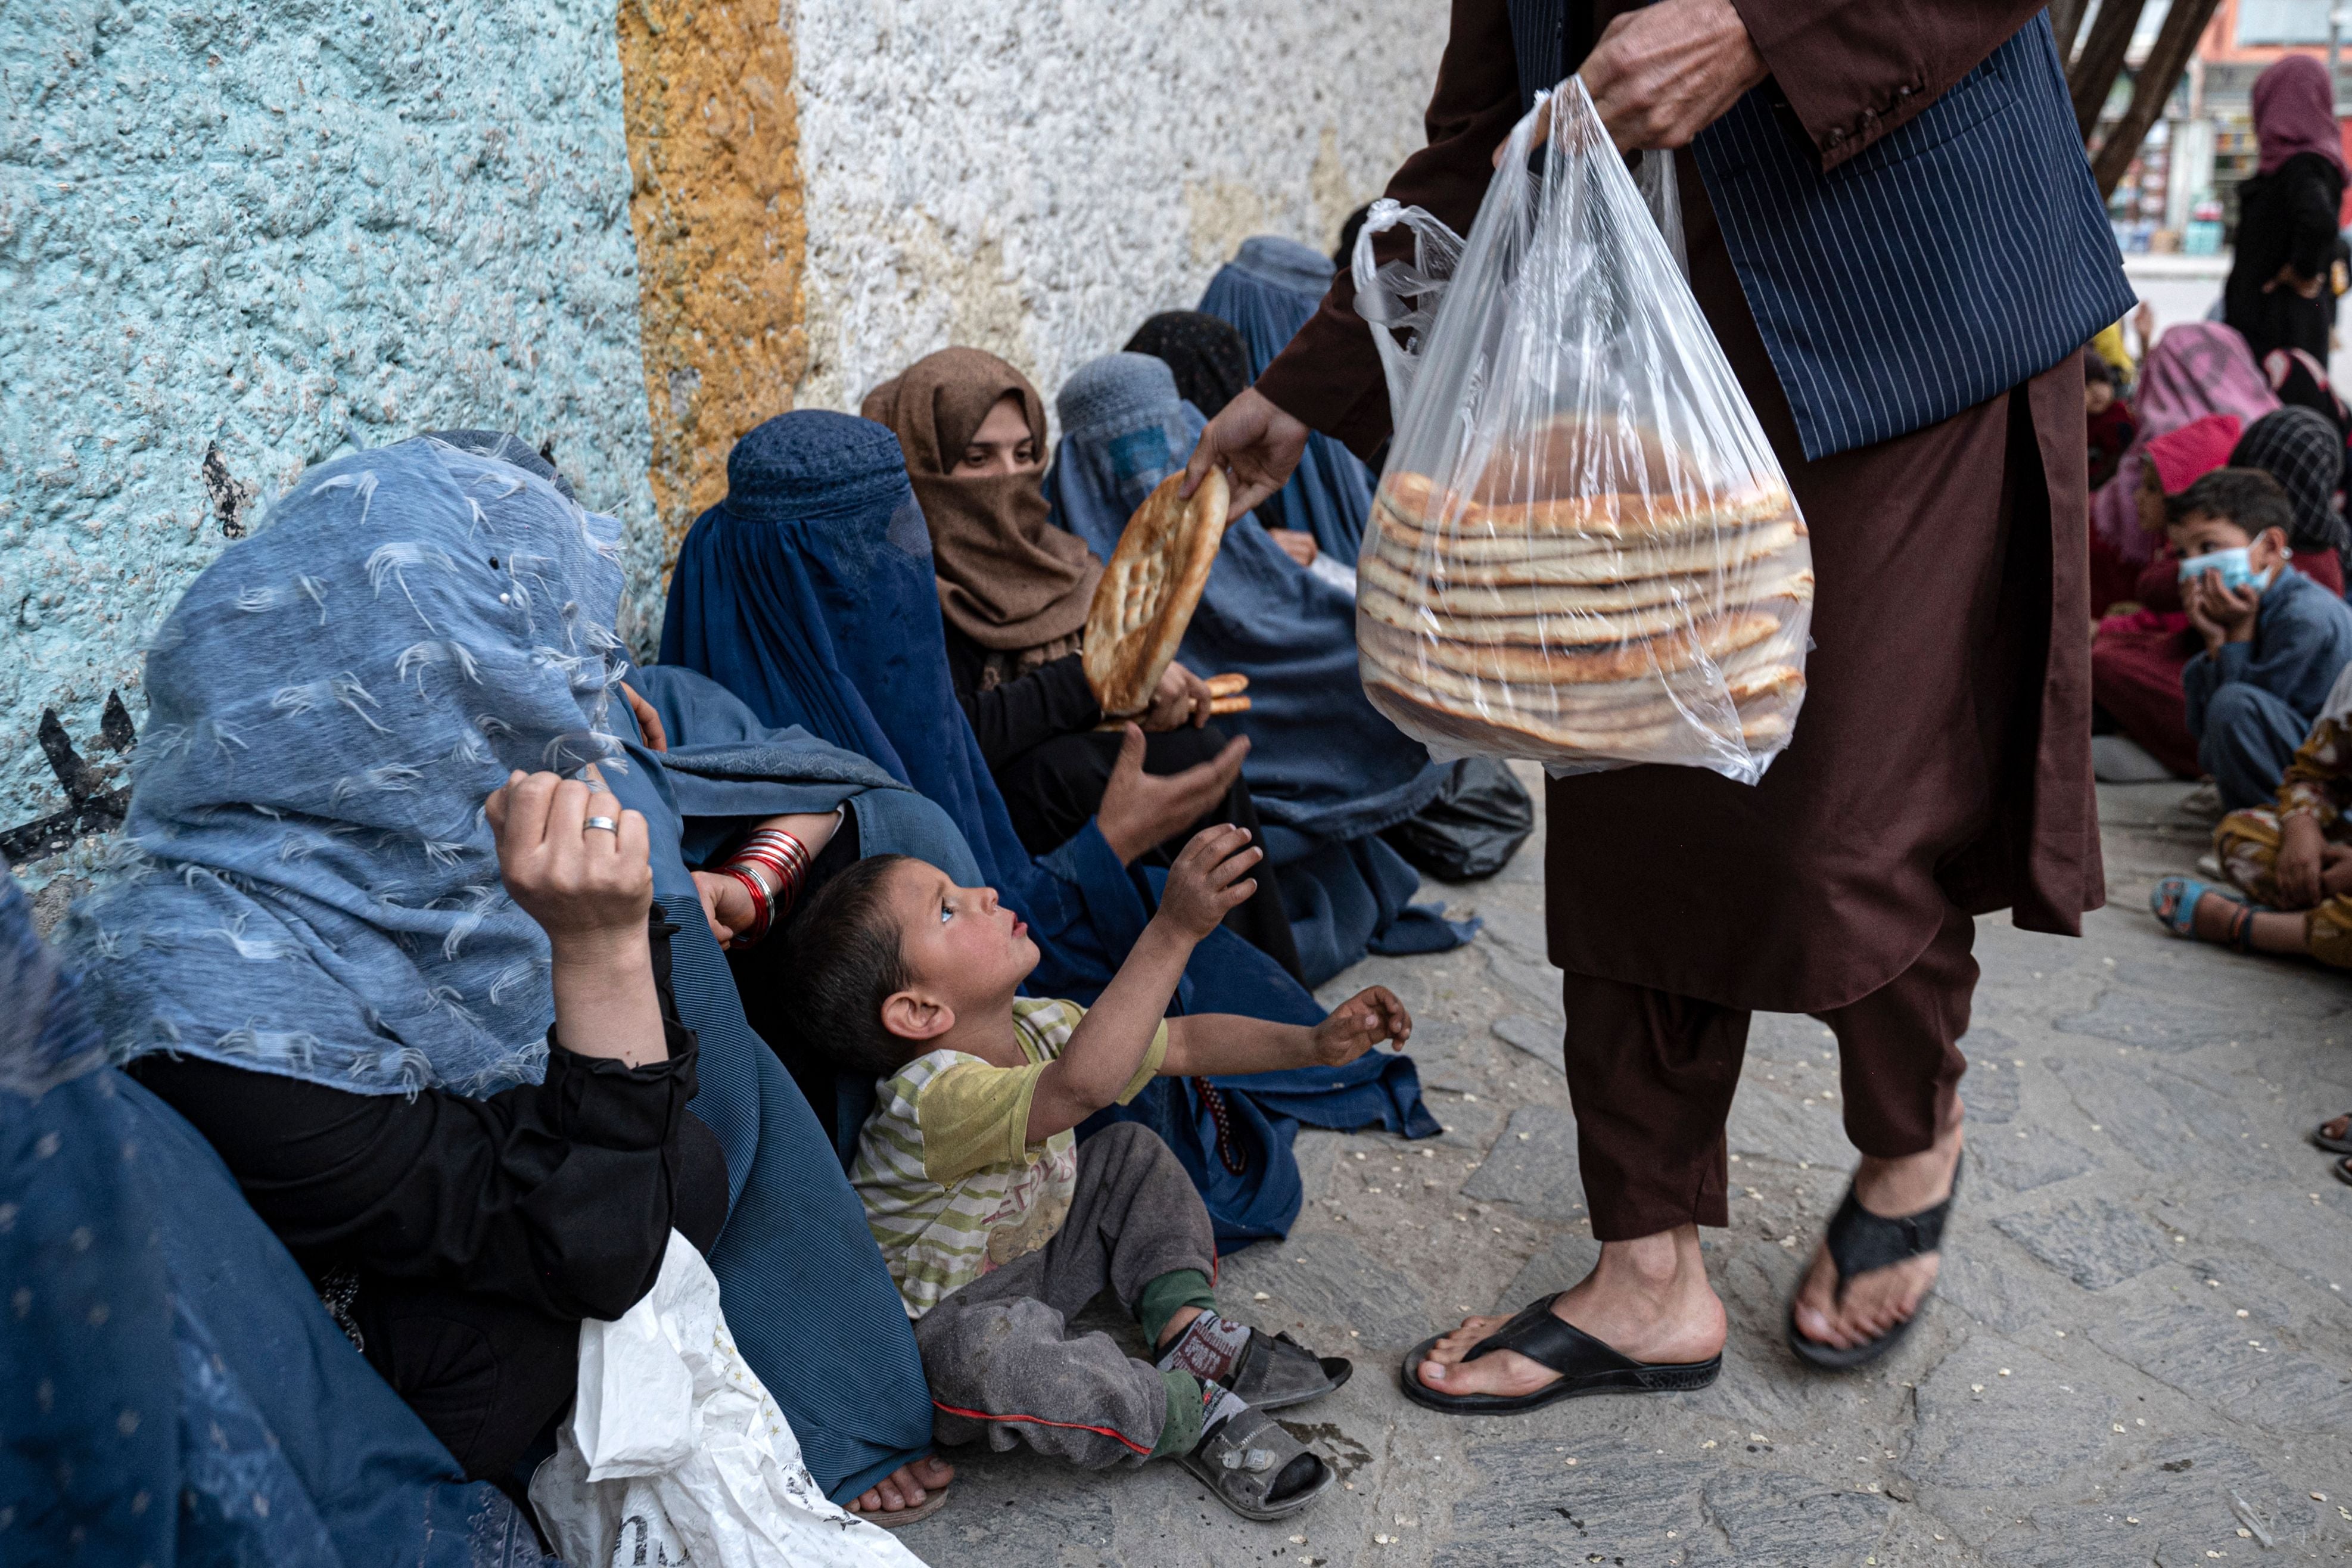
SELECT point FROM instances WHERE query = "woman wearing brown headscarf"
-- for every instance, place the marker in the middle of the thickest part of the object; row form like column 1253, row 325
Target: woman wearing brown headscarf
column 1013, row 595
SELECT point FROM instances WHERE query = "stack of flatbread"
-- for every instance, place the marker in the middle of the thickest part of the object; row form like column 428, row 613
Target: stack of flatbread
column 1591, row 596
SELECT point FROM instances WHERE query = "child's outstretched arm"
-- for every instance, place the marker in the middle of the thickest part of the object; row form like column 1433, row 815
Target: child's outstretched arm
column 1211, row 1043
column 1207, row 879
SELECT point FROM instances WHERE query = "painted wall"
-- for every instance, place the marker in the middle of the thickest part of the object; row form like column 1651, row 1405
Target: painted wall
column 237, row 238
column 1036, row 179
column 241, row 237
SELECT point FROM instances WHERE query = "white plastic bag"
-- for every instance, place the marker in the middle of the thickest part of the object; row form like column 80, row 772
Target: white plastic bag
column 1402, row 297
column 675, row 1453
column 1583, row 550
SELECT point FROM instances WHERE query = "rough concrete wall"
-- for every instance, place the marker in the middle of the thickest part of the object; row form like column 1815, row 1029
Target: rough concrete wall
column 234, row 237
column 717, row 210
column 1035, row 179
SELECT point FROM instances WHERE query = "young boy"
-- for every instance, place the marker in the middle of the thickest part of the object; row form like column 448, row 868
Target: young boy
column 998, row 1225
column 2274, row 638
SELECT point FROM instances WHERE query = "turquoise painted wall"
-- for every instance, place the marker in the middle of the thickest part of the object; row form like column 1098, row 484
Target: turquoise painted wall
column 235, row 239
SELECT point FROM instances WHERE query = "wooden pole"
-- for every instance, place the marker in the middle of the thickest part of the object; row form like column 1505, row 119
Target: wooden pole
column 2066, row 20
column 2102, row 60
column 2175, row 41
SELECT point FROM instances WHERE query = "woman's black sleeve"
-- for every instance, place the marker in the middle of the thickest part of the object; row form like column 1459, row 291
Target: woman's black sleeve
column 559, row 1194
column 2310, row 217
column 1051, row 700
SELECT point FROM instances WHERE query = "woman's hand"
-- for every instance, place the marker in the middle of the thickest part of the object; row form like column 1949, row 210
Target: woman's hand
column 1140, row 809
column 649, row 722
column 1181, row 698
column 588, row 887
column 2297, row 873
column 726, row 906
column 1359, row 1023
column 2289, row 278
column 1299, row 547
column 1208, row 880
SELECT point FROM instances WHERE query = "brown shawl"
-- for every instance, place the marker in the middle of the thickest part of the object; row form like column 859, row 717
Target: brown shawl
column 1008, row 578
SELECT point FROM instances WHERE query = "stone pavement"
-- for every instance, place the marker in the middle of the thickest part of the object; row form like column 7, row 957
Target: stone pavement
column 2141, row 1352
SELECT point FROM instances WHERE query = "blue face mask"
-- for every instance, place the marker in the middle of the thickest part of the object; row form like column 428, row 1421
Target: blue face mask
column 2232, row 566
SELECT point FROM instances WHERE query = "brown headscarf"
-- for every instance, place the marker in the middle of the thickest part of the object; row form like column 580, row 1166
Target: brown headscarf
column 1008, row 578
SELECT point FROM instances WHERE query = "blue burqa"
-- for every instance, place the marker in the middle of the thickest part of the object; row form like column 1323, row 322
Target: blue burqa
column 171, row 1391
column 1326, row 769
column 317, row 890
column 1267, row 291
column 808, row 593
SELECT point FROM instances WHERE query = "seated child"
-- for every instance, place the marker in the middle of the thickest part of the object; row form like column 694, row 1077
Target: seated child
column 2275, row 641
column 998, row 1224
column 2294, row 857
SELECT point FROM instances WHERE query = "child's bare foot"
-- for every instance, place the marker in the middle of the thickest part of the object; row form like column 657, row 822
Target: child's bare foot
column 906, row 1487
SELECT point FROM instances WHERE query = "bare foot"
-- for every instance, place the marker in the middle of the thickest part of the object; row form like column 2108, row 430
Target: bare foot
column 906, row 1487
column 1876, row 1302
column 1647, row 1298
column 2336, row 1126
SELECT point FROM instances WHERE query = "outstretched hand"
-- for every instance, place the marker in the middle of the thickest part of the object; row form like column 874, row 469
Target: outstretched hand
column 1256, row 443
column 1140, row 809
column 1362, row 1022
column 1209, row 879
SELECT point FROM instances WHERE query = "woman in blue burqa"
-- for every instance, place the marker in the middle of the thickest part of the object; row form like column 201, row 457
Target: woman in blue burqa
column 1267, row 291
column 809, row 593
column 1327, row 772
column 474, row 1114
column 170, row 1389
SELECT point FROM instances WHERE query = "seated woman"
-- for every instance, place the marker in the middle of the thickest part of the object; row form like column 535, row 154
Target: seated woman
column 809, row 593
column 1014, row 592
column 163, row 1345
column 457, row 1027
column 1328, row 771
column 2137, row 654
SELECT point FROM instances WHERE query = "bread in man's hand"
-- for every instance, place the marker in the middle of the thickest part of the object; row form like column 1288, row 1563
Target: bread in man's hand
column 1149, row 588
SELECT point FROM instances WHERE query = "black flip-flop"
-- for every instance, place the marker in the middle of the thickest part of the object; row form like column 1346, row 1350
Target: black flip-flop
column 2333, row 1145
column 1585, row 1366
column 2343, row 1169
column 1860, row 1242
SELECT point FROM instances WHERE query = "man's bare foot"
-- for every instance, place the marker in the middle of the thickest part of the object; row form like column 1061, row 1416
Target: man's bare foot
column 906, row 1487
column 1647, row 1298
column 2337, row 1127
column 1876, row 1302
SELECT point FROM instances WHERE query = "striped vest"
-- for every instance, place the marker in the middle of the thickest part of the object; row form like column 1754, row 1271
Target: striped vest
column 1962, row 252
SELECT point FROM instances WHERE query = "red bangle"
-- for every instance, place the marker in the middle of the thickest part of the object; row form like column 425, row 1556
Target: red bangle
column 770, row 853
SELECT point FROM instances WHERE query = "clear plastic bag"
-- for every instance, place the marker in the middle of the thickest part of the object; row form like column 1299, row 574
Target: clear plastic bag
column 1582, row 551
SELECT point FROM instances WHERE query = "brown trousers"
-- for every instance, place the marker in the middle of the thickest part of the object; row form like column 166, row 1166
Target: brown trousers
column 1651, row 1075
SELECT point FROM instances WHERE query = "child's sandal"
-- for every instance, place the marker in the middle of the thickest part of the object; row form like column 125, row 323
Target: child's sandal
column 1247, row 1461
column 2175, row 902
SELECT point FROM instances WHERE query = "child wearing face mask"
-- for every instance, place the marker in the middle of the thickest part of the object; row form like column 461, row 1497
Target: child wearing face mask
column 2275, row 641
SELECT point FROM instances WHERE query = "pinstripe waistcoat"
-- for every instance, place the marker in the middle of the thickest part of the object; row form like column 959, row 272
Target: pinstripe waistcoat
column 1961, row 254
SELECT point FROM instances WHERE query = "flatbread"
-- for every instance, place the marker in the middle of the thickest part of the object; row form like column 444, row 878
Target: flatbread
column 1517, row 664
column 1564, row 616
column 1606, row 516
column 1529, row 734
column 1472, row 548
column 1149, row 588
column 1616, row 705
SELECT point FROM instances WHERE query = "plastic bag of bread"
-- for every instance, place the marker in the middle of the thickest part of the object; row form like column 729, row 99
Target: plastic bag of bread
column 1582, row 550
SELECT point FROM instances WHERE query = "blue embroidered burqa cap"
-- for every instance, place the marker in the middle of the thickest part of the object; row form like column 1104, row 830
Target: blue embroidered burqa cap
column 316, row 893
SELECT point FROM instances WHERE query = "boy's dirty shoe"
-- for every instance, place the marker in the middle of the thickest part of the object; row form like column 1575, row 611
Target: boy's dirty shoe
column 1256, row 1468
column 1276, row 1372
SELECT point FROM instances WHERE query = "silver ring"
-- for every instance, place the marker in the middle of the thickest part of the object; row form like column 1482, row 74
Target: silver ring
column 601, row 824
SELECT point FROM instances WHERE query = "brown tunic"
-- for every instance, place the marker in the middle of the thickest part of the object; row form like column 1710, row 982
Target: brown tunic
column 1942, row 756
